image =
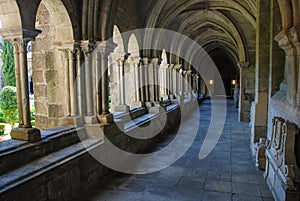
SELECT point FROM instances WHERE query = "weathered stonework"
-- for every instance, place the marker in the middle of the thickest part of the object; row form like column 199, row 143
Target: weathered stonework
column 282, row 172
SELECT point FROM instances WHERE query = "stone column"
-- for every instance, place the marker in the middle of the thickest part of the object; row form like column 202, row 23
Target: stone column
column 25, row 130
column 260, row 106
column 146, row 81
column 98, row 76
column 177, row 76
column 138, row 85
column 165, row 85
column 87, row 48
column 122, row 107
column 153, row 79
column 171, row 92
column 105, row 49
column 189, row 87
column 243, row 109
column 79, row 82
column 72, row 71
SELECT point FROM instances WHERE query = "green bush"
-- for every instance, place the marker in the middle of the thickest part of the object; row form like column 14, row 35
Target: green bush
column 8, row 105
column 8, row 64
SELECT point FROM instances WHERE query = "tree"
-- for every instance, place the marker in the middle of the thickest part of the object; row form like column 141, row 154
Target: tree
column 9, row 105
column 8, row 64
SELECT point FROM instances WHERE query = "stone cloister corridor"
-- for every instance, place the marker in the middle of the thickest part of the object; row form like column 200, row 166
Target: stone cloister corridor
column 128, row 87
column 227, row 174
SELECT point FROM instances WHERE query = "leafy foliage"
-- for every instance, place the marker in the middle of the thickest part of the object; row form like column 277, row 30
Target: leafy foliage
column 8, row 64
column 8, row 104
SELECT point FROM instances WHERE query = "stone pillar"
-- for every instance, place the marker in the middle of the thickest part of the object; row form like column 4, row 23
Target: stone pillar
column 138, row 85
column 72, row 71
column 177, row 76
column 122, row 107
column 259, row 117
column 171, row 92
column 98, row 76
column 79, row 82
column 105, row 49
column 189, row 87
column 243, row 109
column 25, row 130
column 146, row 81
column 71, row 118
column 153, row 79
column 165, row 85
column 87, row 48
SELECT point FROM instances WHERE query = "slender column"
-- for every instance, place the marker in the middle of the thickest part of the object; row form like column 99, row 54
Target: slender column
column 25, row 130
column 105, row 49
column 141, row 75
column 17, row 47
column 67, row 81
column 98, row 104
column 24, row 83
column 122, row 63
column 171, row 80
column 72, row 72
column 137, row 80
column 88, row 88
column 79, row 83
column 153, row 68
column 243, row 112
column 145, row 62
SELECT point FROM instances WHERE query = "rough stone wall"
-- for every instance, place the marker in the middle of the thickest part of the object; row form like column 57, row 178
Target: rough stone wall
column 48, row 73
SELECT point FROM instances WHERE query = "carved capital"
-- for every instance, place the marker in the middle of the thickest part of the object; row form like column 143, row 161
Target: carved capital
column 154, row 61
column 285, row 42
column 243, row 64
column 145, row 61
column 87, row 47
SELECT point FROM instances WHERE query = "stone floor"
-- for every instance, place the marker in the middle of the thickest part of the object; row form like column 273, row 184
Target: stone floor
column 228, row 173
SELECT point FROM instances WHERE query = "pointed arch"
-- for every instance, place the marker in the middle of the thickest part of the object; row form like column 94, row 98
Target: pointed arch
column 133, row 46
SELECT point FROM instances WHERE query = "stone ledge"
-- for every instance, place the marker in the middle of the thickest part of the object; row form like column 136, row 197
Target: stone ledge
column 45, row 164
column 15, row 153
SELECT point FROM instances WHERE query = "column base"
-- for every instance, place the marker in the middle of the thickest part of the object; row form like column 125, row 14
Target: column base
column 166, row 97
column 91, row 120
column 105, row 118
column 121, row 108
column 149, row 104
column 138, row 104
column 31, row 135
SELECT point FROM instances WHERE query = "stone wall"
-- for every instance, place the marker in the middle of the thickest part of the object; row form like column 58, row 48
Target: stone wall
column 48, row 73
column 75, row 169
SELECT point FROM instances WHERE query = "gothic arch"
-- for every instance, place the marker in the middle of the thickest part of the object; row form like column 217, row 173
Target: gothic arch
column 133, row 46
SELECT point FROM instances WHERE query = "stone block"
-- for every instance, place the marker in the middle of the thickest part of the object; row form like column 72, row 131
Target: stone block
column 56, row 111
column 38, row 77
column 41, row 121
column 40, row 91
column 41, row 108
column 27, row 134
